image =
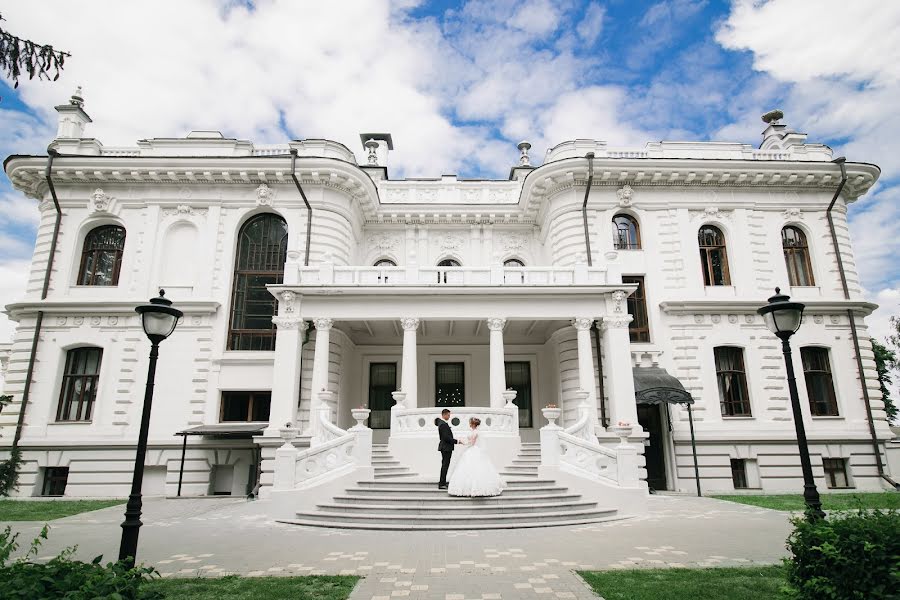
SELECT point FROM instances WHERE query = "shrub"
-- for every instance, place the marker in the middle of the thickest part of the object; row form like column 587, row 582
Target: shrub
column 65, row 578
column 848, row 556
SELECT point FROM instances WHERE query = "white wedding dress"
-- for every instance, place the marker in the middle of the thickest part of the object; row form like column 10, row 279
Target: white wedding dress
column 474, row 474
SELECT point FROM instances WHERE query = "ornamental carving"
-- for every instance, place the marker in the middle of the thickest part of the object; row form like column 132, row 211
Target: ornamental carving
column 749, row 318
column 428, row 195
column 196, row 320
column 835, row 320
column 451, row 242
column 713, row 213
column 287, row 297
column 100, row 201
column 397, row 195
column 619, row 297
column 184, row 210
column 60, row 321
column 732, row 319
column 265, row 195
column 715, row 318
column 625, row 195
column 616, row 322
column 384, row 241
column 409, row 323
column 95, row 321
column 793, row 214
column 513, row 242
column 818, row 319
column 698, row 319
column 323, row 323
column 289, row 323
column 582, row 323
column 496, row 324
column 498, row 196
column 79, row 321
column 472, row 196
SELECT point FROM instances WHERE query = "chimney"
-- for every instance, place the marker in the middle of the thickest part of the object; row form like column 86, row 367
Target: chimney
column 72, row 118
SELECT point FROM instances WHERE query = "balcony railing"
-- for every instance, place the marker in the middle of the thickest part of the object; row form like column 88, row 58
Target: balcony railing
column 327, row 274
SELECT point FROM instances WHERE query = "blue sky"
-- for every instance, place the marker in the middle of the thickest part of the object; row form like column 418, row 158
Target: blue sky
column 458, row 84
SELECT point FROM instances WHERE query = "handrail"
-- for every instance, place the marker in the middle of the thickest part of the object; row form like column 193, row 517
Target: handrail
column 499, row 421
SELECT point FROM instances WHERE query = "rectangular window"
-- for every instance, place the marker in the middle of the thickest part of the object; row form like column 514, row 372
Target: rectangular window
column 55, row 479
column 518, row 377
column 836, row 472
column 382, row 383
column 819, row 384
column 79, row 384
column 739, row 473
column 246, row 406
column 450, row 384
column 732, row 380
column 639, row 328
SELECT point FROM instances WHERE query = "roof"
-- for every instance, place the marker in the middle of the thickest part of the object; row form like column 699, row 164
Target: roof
column 654, row 385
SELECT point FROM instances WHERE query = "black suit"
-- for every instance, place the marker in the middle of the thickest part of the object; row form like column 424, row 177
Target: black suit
column 445, row 446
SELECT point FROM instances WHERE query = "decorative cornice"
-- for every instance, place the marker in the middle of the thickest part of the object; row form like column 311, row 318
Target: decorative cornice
column 103, row 307
column 683, row 307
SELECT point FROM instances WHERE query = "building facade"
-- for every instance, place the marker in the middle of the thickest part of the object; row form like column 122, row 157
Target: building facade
column 313, row 285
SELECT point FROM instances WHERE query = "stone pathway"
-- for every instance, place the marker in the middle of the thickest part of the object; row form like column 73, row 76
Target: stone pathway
column 199, row 537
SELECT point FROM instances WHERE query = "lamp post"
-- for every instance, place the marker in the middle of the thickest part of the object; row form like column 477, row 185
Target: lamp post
column 158, row 320
column 783, row 318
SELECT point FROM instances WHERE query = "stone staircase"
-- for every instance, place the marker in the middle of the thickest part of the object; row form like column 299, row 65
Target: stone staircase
column 386, row 466
column 410, row 503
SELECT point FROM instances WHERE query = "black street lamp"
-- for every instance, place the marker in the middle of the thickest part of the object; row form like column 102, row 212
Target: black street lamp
column 159, row 320
column 783, row 318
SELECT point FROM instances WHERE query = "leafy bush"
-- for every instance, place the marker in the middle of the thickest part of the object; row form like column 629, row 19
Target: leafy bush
column 848, row 556
column 9, row 469
column 65, row 578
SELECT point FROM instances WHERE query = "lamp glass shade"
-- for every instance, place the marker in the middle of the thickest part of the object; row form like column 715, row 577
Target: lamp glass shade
column 158, row 323
column 783, row 320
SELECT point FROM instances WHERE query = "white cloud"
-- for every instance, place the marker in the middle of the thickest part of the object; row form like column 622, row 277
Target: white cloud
column 591, row 24
column 13, row 277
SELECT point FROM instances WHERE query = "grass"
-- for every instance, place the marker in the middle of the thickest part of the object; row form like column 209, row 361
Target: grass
column 47, row 510
column 794, row 502
column 744, row 583
column 312, row 587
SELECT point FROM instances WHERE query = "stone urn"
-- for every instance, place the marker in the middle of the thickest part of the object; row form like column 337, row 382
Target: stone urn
column 360, row 414
column 509, row 396
column 399, row 399
column 288, row 434
column 325, row 396
column 551, row 413
column 622, row 432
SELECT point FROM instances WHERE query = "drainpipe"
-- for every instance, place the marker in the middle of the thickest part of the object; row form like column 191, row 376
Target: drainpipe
column 853, row 332
column 604, row 421
column 26, row 392
column 308, row 207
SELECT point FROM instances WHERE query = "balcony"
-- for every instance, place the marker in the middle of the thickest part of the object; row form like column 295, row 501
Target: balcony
column 414, row 276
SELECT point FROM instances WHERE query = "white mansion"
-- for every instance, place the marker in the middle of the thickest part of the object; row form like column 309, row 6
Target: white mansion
column 618, row 285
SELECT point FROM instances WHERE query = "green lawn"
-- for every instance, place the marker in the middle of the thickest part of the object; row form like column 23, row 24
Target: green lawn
column 251, row 588
column 745, row 583
column 47, row 510
column 829, row 501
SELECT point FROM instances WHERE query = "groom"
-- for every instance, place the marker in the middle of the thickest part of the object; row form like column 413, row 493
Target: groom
column 445, row 446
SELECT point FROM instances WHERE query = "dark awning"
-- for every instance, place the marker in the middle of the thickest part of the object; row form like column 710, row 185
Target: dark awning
column 234, row 430
column 654, row 385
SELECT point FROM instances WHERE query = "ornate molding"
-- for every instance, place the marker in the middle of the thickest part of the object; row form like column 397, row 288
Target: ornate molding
column 100, row 201
column 792, row 214
column 496, row 323
column 450, row 242
column 287, row 296
column 409, row 323
column 582, row 323
column 265, row 196
column 289, row 323
column 385, row 242
column 323, row 323
column 712, row 213
column 625, row 194
column 184, row 210
column 618, row 297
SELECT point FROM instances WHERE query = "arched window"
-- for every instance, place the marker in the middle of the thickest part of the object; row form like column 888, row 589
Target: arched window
column 713, row 256
column 626, row 234
column 79, row 384
column 101, row 256
column 514, row 277
column 442, row 275
column 796, row 256
column 261, row 253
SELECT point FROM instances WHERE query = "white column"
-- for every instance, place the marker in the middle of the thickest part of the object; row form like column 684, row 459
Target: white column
column 320, row 359
column 586, row 380
column 409, row 380
column 498, row 367
column 620, row 382
column 286, row 382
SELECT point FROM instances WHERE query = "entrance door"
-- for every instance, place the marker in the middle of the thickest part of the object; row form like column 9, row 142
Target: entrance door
column 650, row 418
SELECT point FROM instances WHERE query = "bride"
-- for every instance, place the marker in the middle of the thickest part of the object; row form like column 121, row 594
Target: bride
column 474, row 474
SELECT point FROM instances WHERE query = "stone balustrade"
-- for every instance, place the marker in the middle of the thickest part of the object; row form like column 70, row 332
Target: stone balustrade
column 329, row 274
column 420, row 422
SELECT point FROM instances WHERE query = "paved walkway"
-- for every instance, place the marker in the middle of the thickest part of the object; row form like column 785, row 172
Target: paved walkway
column 188, row 538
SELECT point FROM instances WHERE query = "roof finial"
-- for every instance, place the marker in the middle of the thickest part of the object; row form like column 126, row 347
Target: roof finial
column 77, row 99
column 773, row 116
column 524, row 146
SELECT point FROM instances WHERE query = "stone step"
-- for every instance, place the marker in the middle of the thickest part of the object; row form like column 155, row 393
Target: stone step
column 469, row 506
column 521, row 469
column 386, row 470
column 527, row 462
column 448, row 526
column 458, row 521
column 506, row 475
column 404, row 489
column 383, row 462
column 432, row 483
column 413, row 498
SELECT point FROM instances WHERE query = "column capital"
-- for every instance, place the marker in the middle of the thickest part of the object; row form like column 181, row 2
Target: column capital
column 582, row 323
column 496, row 324
column 289, row 323
column 323, row 323
column 616, row 322
column 409, row 323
